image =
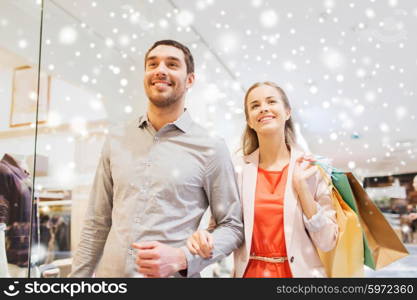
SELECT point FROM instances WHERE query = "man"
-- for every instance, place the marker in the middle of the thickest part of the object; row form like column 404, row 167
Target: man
column 413, row 214
column 155, row 179
column 15, row 209
column 415, row 183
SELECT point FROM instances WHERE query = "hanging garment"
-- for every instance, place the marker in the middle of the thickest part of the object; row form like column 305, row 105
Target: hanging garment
column 15, row 209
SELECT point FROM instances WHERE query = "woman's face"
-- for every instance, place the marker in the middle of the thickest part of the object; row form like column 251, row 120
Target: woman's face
column 266, row 110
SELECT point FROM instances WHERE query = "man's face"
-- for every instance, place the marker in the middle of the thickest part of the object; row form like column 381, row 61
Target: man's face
column 166, row 79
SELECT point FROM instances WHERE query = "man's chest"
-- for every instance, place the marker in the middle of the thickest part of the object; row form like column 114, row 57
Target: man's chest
column 158, row 166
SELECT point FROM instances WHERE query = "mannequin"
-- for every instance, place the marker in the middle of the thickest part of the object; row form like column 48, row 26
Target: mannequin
column 15, row 210
column 4, row 270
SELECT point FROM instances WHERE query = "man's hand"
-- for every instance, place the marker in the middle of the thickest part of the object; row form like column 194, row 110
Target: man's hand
column 155, row 259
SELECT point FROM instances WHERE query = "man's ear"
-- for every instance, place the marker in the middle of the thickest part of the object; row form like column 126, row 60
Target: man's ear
column 190, row 80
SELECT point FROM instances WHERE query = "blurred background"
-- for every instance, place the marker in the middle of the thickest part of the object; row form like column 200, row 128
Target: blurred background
column 70, row 69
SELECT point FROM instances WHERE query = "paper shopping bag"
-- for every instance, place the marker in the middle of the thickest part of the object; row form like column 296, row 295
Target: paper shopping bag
column 341, row 182
column 346, row 258
column 384, row 244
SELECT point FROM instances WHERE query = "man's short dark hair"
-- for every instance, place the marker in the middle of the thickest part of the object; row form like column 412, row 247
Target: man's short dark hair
column 189, row 60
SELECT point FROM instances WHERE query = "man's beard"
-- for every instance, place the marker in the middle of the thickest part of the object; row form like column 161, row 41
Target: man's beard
column 162, row 101
column 165, row 102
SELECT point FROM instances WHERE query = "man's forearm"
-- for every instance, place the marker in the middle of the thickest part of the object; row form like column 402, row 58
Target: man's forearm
column 226, row 238
column 89, row 251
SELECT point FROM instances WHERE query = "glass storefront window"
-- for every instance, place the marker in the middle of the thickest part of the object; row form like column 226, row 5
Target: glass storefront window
column 93, row 55
column 19, row 78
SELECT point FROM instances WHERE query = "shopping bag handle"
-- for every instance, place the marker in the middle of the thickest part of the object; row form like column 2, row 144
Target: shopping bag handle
column 324, row 174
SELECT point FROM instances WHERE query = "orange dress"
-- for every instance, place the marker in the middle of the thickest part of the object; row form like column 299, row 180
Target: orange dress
column 268, row 229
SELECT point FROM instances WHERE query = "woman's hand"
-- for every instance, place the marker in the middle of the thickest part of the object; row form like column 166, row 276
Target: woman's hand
column 201, row 243
column 303, row 170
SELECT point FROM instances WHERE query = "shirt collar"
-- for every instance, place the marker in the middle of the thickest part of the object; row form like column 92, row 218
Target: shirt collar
column 183, row 123
column 143, row 121
column 13, row 165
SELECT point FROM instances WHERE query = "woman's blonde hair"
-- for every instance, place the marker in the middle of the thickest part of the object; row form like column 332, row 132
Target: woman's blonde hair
column 250, row 140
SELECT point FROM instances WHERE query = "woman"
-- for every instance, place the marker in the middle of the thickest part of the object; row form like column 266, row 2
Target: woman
column 286, row 202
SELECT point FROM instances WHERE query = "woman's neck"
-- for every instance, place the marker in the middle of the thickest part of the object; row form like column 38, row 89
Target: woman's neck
column 273, row 152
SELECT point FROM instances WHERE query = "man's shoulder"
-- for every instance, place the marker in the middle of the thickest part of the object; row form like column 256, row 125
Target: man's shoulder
column 210, row 136
column 121, row 128
column 5, row 169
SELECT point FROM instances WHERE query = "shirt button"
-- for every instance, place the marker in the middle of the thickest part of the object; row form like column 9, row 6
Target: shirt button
column 130, row 251
column 137, row 220
column 292, row 259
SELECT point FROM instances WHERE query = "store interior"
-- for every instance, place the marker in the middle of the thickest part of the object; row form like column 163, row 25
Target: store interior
column 69, row 70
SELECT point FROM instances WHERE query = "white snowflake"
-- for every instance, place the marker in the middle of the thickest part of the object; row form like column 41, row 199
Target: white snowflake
column 85, row 78
column 124, row 40
column 313, row 89
column 54, row 118
column 257, row 3
column 370, row 96
column 124, row 82
column 185, row 18
column 370, row 13
column 229, row 42
column 289, row 66
column 401, row 112
column 351, row 165
column 384, row 127
column 340, row 78
column 269, row 18
column 68, row 35
column 109, row 42
column 359, row 109
column 96, row 104
column 23, row 44
column 333, row 59
column 393, row 3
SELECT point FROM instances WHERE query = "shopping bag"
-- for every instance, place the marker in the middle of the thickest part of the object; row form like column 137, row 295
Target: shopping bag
column 383, row 242
column 341, row 182
column 346, row 258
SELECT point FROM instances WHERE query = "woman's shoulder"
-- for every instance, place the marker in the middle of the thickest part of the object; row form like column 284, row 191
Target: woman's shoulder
column 238, row 159
column 238, row 162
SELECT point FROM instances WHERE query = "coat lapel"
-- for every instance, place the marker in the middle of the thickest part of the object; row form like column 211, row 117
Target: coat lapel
column 250, row 174
column 290, row 202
